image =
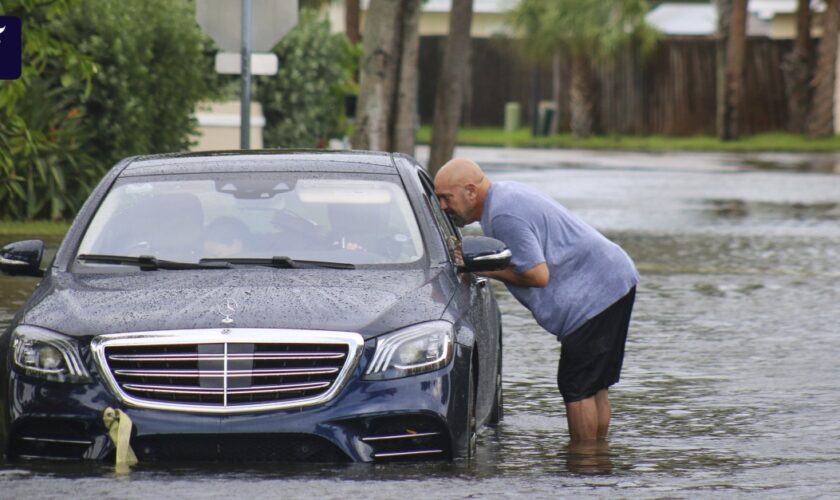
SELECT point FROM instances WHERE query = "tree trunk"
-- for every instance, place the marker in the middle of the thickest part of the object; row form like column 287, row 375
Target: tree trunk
column 556, row 92
column 449, row 94
column 467, row 96
column 822, row 114
column 351, row 21
column 581, row 96
column 729, row 102
column 378, row 73
column 405, row 125
column 724, row 10
column 796, row 68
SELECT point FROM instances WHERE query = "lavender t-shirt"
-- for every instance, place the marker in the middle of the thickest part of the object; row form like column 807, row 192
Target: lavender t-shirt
column 587, row 272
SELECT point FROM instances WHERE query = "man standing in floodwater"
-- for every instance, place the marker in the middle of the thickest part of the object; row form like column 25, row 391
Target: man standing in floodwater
column 579, row 285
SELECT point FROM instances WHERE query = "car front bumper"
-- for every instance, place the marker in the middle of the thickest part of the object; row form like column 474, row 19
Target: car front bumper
column 417, row 417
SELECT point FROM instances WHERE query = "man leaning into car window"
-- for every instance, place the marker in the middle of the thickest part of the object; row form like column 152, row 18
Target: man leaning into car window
column 578, row 285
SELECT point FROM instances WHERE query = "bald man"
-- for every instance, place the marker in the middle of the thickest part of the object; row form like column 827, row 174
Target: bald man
column 579, row 285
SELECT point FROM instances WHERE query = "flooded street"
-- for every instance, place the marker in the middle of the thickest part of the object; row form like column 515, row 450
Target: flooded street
column 730, row 382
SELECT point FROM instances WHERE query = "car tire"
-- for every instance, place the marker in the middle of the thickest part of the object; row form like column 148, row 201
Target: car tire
column 497, row 414
column 472, row 424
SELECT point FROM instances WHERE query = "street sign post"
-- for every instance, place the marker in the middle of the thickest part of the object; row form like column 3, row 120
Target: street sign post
column 245, row 109
column 244, row 27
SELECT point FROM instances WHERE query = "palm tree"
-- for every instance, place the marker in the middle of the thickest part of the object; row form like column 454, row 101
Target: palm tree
column 405, row 120
column 387, row 77
column 351, row 21
column 821, row 123
column 732, row 42
column 797, row 70
column 587, row 31
column 449, row 94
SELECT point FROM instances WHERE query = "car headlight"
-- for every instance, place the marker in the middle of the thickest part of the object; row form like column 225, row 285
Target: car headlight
column 48, row 355
column 417, row 349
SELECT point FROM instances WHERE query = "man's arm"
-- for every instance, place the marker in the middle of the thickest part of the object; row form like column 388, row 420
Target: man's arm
column 536, row 277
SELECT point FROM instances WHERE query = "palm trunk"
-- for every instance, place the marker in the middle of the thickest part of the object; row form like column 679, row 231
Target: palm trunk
column 729, row 104
column 724, row 10
column 449, row 94
column 351, row 21
column 796, row 68
column 581, row 99
column 822, row 114
column 405, row 125
column 556, row 92
column 378, row 72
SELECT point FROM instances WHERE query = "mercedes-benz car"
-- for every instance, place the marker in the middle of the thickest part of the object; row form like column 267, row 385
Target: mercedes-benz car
column 290, row 306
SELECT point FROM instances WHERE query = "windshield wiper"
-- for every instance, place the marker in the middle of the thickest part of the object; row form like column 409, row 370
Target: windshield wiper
column 150, row 263
column 278, row 261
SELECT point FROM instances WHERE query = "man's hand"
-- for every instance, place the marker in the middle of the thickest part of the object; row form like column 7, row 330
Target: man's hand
column 458, row 256
column 536, row 277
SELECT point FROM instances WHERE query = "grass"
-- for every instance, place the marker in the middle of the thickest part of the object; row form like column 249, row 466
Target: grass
column 33, row 228
column 776, row 141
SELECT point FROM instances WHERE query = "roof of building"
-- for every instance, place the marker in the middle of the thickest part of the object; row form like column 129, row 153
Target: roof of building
column 479, row 6
column 683, row 19
column 700, row 19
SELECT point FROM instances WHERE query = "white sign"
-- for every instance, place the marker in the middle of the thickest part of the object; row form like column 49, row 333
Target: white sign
column 222, row 20
column 230, row 63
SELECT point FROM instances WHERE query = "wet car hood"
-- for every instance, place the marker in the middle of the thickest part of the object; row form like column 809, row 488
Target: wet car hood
column 370, row 302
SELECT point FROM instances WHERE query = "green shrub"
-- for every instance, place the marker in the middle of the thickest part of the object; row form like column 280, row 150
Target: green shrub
column 154, row 66
column 102, row 79
column 44, row 169
column 304, row 103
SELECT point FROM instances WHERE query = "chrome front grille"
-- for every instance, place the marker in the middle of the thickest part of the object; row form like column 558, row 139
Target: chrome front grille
column 227, row 370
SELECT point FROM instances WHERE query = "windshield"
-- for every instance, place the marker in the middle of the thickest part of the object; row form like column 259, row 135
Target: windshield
column 302, row 216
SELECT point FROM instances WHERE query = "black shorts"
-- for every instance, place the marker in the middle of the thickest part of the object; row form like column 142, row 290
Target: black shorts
column 591, row 356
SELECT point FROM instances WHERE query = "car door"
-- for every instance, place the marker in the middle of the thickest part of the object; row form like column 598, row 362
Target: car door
column 477, row 299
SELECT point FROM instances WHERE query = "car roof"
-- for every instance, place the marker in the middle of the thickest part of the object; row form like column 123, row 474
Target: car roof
column 371, row 162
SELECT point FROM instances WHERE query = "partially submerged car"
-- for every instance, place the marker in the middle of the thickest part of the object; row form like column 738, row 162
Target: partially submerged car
column 301, row 306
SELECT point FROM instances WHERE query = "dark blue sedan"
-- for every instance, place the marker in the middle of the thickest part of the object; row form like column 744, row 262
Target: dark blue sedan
column 290, row 306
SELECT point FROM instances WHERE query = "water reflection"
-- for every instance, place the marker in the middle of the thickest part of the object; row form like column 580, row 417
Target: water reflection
column 589, row 457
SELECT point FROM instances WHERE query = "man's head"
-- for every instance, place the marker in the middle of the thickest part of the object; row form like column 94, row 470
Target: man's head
column 225, row 237
column 461, row 187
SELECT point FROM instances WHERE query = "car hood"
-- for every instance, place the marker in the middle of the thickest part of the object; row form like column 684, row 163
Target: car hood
column 370, row 302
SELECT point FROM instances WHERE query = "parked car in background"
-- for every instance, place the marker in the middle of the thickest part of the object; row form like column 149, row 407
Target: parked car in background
column 302, row 306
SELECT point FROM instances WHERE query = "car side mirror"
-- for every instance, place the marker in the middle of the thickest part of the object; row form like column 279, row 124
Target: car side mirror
column 484, row 254
column 22, row 258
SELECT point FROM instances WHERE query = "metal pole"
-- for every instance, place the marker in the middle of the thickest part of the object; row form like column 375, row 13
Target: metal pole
column 245, row 112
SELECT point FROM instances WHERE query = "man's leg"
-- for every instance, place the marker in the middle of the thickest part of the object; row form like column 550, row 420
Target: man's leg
column 582, row 417
column 602, row 401
column 589, row 419
column 590, row 361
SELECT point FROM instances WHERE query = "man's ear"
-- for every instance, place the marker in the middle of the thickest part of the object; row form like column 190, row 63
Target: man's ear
column 471, row 189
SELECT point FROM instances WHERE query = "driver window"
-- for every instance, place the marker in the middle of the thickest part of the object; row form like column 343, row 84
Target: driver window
column 449, row 232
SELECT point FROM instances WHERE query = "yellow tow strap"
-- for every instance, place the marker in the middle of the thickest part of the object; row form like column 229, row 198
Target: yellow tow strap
column 119, row 430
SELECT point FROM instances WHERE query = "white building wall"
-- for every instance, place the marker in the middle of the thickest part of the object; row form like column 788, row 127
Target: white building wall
column 218, row 126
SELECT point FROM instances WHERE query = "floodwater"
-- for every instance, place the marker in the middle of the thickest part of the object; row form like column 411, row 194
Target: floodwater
column 730, row 386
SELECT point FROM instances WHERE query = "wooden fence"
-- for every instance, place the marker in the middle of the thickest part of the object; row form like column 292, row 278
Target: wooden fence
column 671, row 91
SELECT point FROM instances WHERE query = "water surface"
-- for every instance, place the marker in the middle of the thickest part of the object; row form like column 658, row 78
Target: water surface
column 730, row 381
